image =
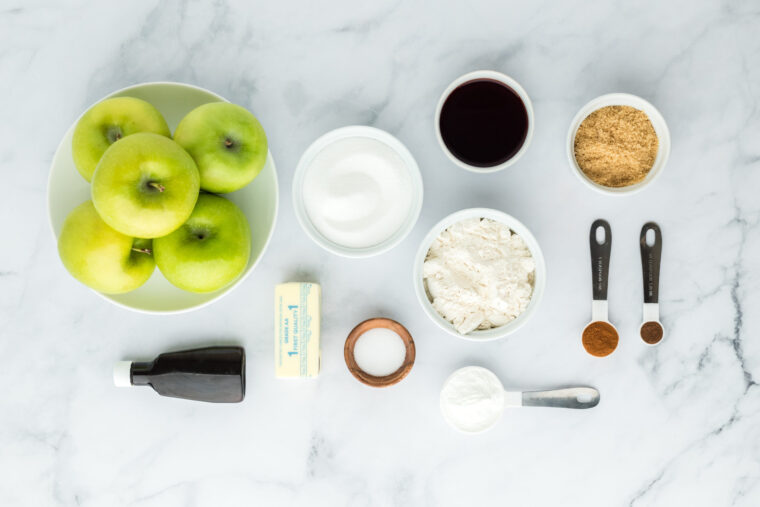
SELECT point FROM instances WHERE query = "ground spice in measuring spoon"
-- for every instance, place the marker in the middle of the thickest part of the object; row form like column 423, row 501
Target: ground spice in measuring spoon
column 616, row 146
column 651, row 332
column 600, row 338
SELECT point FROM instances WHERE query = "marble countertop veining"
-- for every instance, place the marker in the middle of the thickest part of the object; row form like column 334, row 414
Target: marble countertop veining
column 678, row 424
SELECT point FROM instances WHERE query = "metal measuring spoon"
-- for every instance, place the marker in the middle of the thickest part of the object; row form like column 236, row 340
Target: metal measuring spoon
column 651, row 330
column 483, row 385
column 600, row 338
column 569, row 397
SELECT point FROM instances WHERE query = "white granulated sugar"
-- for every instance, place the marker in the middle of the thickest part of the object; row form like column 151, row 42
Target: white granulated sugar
column 479, row 274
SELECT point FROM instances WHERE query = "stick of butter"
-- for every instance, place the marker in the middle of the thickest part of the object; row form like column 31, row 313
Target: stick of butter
column 296, row 329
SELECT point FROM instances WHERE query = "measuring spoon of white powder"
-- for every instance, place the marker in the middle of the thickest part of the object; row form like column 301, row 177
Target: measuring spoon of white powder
column 473, row 399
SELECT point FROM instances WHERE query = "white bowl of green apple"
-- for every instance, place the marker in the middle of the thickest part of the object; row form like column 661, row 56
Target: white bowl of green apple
column 163, row 197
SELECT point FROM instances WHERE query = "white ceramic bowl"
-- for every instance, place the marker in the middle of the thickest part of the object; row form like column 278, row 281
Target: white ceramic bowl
column 367, row 133
column 660, row 128
column 509, row 82
column 539, row 280
column 258, row 201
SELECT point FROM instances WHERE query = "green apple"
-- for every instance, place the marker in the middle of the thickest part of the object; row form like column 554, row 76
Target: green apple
column 145, row 185
column 100, row 257
column 108, row 121
column 210, row 250
column 227, row 142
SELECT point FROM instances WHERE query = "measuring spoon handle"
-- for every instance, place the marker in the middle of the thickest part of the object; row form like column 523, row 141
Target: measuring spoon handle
column 600, row 259
column 571, row 397
column 650, row 262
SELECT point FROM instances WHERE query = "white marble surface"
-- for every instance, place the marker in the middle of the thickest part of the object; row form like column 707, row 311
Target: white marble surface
column 677, row 425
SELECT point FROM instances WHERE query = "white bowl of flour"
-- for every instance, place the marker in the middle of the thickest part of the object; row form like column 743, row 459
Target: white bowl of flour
column 479, row 274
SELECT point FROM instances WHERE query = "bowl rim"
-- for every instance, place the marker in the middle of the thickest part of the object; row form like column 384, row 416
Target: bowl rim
column 539, row 284
column 509, row 82
column 224, row 290
column 621, row 99
column 371, row 133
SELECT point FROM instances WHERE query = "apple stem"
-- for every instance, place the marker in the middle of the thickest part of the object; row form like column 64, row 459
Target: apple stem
column 228, row 142
column 157, row 186
column 142, row 250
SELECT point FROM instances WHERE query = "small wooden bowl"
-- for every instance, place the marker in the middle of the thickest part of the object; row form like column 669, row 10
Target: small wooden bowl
column 371, row 380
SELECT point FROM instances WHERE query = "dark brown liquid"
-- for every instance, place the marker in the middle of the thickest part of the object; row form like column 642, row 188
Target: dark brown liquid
column 483, row 123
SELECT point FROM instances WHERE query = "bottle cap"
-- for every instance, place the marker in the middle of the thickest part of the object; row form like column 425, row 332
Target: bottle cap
column 122, row 374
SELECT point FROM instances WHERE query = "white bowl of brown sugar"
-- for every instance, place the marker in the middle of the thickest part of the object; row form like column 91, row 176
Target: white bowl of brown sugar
column 618, row 144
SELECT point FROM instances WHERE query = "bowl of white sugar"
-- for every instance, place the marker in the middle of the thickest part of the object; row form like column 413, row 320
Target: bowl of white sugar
column 479, row 274
column 357, row 191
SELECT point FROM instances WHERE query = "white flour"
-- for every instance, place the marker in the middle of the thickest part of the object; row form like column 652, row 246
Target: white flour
column 480, row 274
column 472, row 399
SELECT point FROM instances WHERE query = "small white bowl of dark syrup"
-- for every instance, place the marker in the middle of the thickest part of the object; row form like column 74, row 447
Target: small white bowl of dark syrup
column 484, row 121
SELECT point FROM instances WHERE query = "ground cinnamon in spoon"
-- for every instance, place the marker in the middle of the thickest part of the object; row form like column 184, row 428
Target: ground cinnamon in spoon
column 600, row 339
column 616, row 146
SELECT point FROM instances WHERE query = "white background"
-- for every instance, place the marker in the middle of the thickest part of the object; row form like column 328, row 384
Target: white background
column 677, row 425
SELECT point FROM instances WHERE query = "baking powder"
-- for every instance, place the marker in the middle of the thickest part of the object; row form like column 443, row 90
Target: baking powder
column 472, row 399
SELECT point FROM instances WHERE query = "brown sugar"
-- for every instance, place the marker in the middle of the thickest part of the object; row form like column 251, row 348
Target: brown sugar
column 616, row 146
column 651, row 332
column 600, row 339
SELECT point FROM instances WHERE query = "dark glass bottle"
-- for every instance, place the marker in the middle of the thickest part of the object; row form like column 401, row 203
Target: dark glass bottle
column 212, row 374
